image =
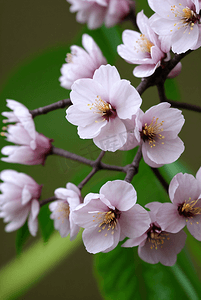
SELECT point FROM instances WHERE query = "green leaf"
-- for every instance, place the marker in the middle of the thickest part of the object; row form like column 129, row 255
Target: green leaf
column 46, row 225
column 122, row 275
column 22, row 236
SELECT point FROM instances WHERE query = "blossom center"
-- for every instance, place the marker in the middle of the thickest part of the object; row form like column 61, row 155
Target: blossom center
column 156, row 237
column 143, row 44
column 69, row 58
column 103, row 108
column 108, row 220
column 188, row 208
column 64, row 210
column 152, row 131
column 187, row 17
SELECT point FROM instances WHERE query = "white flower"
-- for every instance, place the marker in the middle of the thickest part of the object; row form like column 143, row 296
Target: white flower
column 69, row 199
column 101, row 107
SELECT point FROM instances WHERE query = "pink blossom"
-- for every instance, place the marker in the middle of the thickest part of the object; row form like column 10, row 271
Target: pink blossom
column 81, row 63
column 185, row 209
column 102, row 107
column 19, row 200
column 178, row 24
column 32, row 147
column 144, row 49
column 29, row 151
column 69, row 199
column 19, row 114
column 141, row 48
column 156, row 130
column 97, row 12
column 156, row 245
column 110, row 216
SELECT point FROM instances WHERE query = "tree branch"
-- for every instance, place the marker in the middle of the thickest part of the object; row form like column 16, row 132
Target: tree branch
column 132, row 169
column 73, row 156
column 181, row 105
column 45, row 109
column 48, row 200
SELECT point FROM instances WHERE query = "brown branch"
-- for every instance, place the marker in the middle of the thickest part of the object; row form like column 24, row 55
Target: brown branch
column 45, row 109
column 132, row 169
column 87, row 178
column 73, row 156
column 181, row 105
column 48, row 200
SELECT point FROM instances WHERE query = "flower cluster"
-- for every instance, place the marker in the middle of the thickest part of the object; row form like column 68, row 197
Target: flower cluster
column 107, row 109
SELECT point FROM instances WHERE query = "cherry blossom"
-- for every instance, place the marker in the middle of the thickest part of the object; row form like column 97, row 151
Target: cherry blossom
column 156, row 130
column 185, row 209
column 110, row 216
column 177, row 23
column 97, row 12
column 69, row 199
column 157, row 245
column 19, row 200
column 81, row 63
column 141, row 48
column 27, row 151
column 31, row 147
column 102, row 107
column 19, row 114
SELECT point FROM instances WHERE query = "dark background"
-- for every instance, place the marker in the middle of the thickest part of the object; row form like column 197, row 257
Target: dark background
column 28, row 29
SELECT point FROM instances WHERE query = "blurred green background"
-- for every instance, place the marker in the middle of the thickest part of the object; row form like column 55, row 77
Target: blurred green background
column 35, row 37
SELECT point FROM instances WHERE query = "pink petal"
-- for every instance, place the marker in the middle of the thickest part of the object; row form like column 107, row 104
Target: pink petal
column 169, row 219
column 135, row 221
column 121, row 194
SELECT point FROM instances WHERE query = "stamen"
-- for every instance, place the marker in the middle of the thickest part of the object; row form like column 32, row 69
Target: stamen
column 107, row 220
column 143, row 44
column 64, row 210
column 188, row 209
column 152, row 131
column 69, row 58
column 156, row 237
column 187, row 17
column 102, row 108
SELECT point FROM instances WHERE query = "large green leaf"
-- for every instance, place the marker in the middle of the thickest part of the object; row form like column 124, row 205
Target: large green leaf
column 123, row 276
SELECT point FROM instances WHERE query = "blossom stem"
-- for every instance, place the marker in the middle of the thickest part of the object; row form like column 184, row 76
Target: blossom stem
column 132, row 169
column 73, row 156
column 160, row 178
column 95, row 169
column 45, row 109
column 46, row 201
column 181, row 105
column 87, row 178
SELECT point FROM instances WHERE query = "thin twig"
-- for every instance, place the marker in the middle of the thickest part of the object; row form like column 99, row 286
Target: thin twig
column 87, row 178
column 112, row 167
column 132, row 169
column 45, row 109
column 48, row 200
column 160, row 178
column 73, row 156
column 181, row 105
